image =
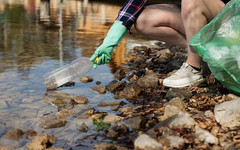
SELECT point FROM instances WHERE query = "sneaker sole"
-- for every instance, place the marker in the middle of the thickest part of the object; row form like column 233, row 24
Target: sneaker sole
column 184, row 85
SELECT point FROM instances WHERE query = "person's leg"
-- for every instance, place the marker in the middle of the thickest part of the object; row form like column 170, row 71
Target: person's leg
column 162, row 22
column 195, row 15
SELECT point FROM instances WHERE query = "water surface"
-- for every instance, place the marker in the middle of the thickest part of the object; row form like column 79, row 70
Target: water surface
column 39, row 36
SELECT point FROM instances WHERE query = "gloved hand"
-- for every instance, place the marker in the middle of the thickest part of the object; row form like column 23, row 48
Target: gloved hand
column 102, row 55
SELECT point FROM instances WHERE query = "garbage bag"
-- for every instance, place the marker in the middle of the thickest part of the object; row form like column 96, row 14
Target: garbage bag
column 218, row 43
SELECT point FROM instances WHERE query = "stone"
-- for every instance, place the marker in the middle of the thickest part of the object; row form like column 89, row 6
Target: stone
column 148, row 81
column 179, row 103
column 173, row 141
column 104, row 104
column 52, row 122
column 117, row 130
column 205, row 136
column 83, row 127
column 108, row 146
column 100, row 89
column 131, row 91
column 136, row 122
column 119, row 74
column 112, row 118
column 170, row 111
column 125, row 109
column 86, row 79
column 30, row 133
column 4, row 148
column 80, row 99
column 63, row 114
column 180, row 120
column 231, row 97
column 177, row 92
column 59, row 99
column 228, row 113
column 115, row 86
column 144, row 142
column 14, row 134
column 41, row 141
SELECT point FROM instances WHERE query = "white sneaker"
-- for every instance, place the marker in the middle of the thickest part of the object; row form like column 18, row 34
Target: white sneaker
column 185, row 76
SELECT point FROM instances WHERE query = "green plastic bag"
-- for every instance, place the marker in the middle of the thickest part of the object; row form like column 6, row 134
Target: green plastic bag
column 218, row 43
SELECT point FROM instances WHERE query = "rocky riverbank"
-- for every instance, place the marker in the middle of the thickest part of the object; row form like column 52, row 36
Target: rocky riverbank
column 203, row 116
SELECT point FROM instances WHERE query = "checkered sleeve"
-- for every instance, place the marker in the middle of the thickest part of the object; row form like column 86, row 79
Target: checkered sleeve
column 130, row 11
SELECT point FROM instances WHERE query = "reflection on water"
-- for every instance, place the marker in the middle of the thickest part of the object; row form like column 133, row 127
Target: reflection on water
column 38, row 36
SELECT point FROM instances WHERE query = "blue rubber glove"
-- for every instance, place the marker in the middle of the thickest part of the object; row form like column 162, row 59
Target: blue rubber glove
column 102, row 55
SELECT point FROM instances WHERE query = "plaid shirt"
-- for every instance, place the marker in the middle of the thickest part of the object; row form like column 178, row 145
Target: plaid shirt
column 130, row 11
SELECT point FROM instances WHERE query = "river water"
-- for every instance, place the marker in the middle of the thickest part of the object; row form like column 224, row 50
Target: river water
column 40, row 36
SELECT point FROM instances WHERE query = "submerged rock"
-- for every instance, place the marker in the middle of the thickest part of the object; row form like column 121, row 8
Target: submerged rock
column 86, row 79
column 14, row 134
column 52, row 122
column 83, row 127
column 115, row 86
column 108, row 146
column 100, row 89
column 41, row 142
column 80, row 99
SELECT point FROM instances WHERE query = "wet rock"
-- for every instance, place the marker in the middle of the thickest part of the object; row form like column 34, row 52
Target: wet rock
column 136, row 122
column 148, row 81
column 90, row 112
column 125, row 109
column 117, row 130
column 100, row 89
column 86, row 79
column 144, row 142
column 41, row 142
column 65, row 114
column 115, row 86
column 173, row 141
column 108, row 146
column 54, row 148
column 98, row 82
column 29, row 133
column 52, row 122
column 205, row 136
column 83, row 116
column 83, row 127
column 228, row 113
column 180, row 120
column 119, row 74
column 14, row 134
column 104, row 104
column 181, row 93
column 112, row 118
column 3, row 104
column 58, row 99
column 4, row 148
column 130, row 92
column 80, row 99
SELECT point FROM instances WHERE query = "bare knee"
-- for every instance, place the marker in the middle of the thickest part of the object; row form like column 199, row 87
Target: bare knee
column 145, row 21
